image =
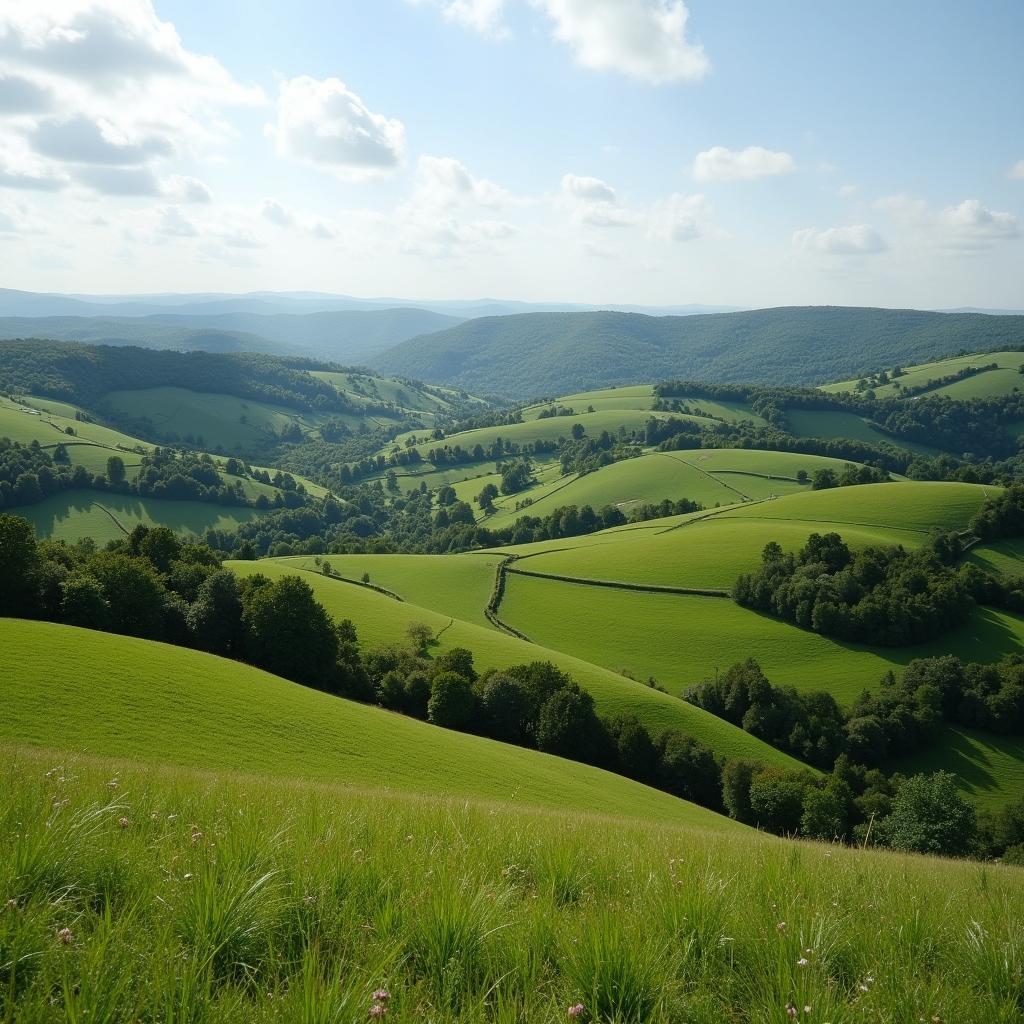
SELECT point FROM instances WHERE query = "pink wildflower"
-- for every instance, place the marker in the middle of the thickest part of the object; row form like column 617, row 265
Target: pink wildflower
column 65, row 936
column 791, row 1010
column 382, row 995
column 781, row 927
column 378, row 1010
column 122, row 822
column 576, row 1010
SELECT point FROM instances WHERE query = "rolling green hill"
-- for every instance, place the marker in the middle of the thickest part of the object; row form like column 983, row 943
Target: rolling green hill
column 990, row 383
column 105, row 516
column 547, row 353
column 118, row 696
column 383, row 621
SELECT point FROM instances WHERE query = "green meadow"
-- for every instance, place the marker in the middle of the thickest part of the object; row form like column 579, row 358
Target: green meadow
column 988, row 384
column 382, row 621
column 84, row 692
column 683, row 639
column 258, row 899
column 105, row 516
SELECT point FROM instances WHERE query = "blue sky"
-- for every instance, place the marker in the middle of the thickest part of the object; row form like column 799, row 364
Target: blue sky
column 644, row 151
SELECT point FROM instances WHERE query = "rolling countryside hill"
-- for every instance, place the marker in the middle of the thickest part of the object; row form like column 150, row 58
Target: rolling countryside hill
column 551, row 353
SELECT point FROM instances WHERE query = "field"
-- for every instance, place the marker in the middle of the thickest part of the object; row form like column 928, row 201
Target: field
column 361, row 388
column 382, row 621
column 118, row 696
column 551, row 429
column 51, row 421
column 257, row 899
column 710, row 477
column 455, row 585
column 221, row 423
column 990, row 768
column 828, row 423
column 72, row 515
column 1004, row 556
column 988, row 384
column 683, row 639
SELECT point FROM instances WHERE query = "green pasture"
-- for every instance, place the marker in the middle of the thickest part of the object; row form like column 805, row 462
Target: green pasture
column 213, row 421
column 48, row 422
column 456, row 585
column 707, row 554
column 683, row 639
column 1001, row 556
column 85, row 692
column 831, row 424
column 73, row 515
column 989, row 768
column 382, row 621
column 990, row 384
column 918, row 507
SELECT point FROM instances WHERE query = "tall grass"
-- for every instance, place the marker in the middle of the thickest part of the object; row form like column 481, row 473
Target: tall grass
column 168, row 898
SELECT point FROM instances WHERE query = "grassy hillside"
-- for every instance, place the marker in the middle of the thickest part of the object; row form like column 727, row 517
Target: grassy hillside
column 453, row 911
column 682, row 639
column 547, row 353
column 989, row 384
column 990, row 768
column 72, row 515
column 382, row 621
column 123, row 697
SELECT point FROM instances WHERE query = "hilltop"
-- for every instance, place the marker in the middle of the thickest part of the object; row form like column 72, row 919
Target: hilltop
column 550, row 353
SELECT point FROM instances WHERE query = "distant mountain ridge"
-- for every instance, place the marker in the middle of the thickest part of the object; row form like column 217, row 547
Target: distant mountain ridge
column 536, row 354
column 349, row 336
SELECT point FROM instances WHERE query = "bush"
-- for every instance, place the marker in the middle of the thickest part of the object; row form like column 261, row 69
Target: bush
column 929, row 816
column 452, row 702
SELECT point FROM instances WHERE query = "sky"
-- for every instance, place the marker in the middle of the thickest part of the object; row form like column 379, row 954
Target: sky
column 725, row 152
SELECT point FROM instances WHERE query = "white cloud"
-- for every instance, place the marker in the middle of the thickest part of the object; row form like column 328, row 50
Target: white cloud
column 1017, row 171
column 848, row 191
column 592, row 189
column 20, row 95
column 324, row 123
column 721, row 164
column 680, row 218
column 856, row 239
column 483, row 16
column 119, row 181
column 442, row 217
column 173, row 222
column 644, row 39
column 968, row 226
column 108, row 45
column 594, row 202
column 241, row 238
column 81, row 140
column 184, row 189
column 323, row 229
column 277, row 213
column 445, row 181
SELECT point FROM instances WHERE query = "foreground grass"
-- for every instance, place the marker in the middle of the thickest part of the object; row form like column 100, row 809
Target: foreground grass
column 128, row 895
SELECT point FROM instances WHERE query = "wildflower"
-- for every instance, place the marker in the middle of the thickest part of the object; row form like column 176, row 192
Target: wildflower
column 172, row 817
column 576, row 1010
column 187, row 876
column 382, row 995
column 122, row 822
column 65, row 936
column 807, row 1009
column 113, row 784
column 196, row 835
column 791, row 1010
column 11, row 904
column 781, row 927
column 378, row 1010
column 802, row 962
